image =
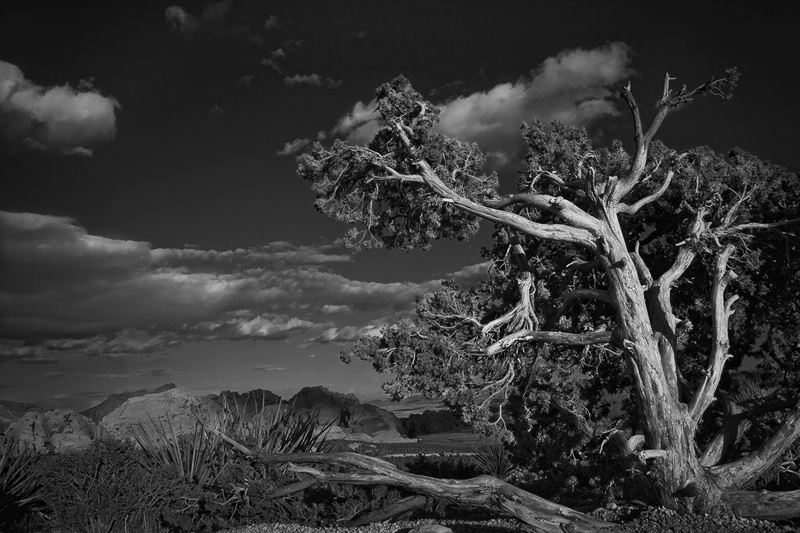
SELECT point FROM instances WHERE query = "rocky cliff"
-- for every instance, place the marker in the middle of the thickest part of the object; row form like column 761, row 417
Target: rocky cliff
column 54, row 431
column 176, row 407
column 348, row 414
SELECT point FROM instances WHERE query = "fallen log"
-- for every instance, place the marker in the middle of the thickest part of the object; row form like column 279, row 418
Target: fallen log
column 487, row 492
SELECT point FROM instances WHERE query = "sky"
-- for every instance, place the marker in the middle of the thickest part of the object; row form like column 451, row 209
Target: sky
column 153, row 228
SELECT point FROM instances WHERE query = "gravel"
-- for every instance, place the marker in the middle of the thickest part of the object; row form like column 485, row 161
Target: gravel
column 651, row 520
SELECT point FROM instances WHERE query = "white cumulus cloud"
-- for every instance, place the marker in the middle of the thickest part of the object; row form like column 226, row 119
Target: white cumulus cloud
column 62, row 118
column 576, row 87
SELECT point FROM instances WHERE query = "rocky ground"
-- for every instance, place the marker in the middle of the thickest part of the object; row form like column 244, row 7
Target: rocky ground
column 649, row 521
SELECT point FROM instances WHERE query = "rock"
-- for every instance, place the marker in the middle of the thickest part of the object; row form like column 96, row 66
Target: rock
column 347, row 412
column 97, row 412
column 431, row 528
column 433, row 422
column 10, row 412
column 175, row 407
column 54, row 431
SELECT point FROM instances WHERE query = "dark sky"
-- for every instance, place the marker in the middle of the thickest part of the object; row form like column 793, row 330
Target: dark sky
column 153, row 226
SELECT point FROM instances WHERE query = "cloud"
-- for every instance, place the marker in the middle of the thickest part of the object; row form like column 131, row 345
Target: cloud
column 330, row 309
column 471, row 275
column 271, row 23
column 181, row 21
column 345, row 334
column 315, row 80
column 245, row 80
column 60, row 119
column 574, row 87
column 294, row 147
column 269, row 368
column 271, row 63
column 216, row 111
column 189, row 25
column 65, row 290
column 157, row 372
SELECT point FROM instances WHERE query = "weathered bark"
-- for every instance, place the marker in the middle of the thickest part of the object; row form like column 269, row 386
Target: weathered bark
column 760, row 460
column 391, row 511
column 764, row 505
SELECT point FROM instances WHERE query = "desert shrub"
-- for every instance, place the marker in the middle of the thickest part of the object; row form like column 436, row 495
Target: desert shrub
column 103, row 488
column 218, row 487
column 196, row 458
column 443, row 466
column 561, row 465
column 278, row 430
column 20, row 487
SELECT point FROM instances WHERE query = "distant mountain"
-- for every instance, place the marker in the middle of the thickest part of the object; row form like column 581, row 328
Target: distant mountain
column 10, row 412
column 246, row 403
column 97, row 412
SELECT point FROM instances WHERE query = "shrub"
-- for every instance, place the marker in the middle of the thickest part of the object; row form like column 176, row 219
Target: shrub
column 493, row 459
column 282, row 431
column 104, row 488
column 199, row 457
column 20, row 487
column 443, row 466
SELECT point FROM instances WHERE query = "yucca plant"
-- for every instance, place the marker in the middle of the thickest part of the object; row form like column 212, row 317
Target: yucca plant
column 20, row 487
column 198, row 457
column 281, row 431
column 493, row 459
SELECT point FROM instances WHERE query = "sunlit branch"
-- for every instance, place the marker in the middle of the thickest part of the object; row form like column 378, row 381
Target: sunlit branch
column 632, row 209
column 721, row 311
column 552, row 337
column 645, row 277
column 686, row 254
column 554, row 204
column 761, row 459
column 762, row 225
column 396, row 176
column 556, row 232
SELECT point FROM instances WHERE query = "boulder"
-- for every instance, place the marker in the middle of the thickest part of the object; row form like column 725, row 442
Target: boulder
column 54, row 431
column 175, row 408
column 434, row 422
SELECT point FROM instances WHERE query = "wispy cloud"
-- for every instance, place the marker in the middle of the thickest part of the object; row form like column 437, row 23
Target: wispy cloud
column 155, row 372
column 574, row 87
column 62, row 119
column 346, row 334
column 271, row 23
column 268, row 368
column 294, row 147
column 314, row 80
column 68, row 291
column 189, row 25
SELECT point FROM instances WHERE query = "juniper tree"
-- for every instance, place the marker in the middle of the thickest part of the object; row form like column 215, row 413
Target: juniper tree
column 654, row 272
